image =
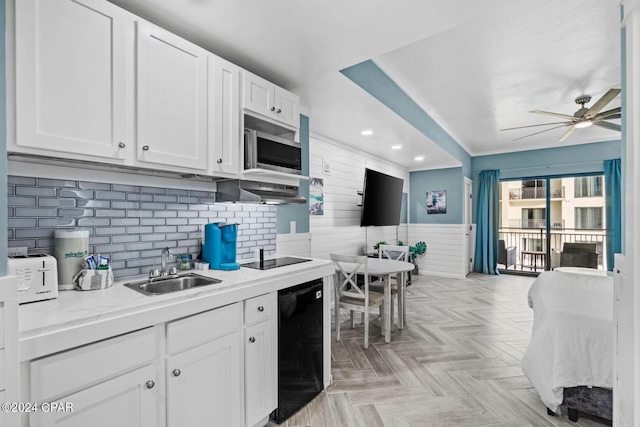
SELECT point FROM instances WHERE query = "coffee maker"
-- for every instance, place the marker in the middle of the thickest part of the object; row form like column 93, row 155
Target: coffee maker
column 219, row 246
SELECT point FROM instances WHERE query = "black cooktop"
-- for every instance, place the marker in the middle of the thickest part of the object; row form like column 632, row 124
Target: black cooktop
column 274, row 263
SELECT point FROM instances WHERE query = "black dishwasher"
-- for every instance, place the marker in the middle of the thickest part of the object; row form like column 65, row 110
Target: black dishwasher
column 300, row 330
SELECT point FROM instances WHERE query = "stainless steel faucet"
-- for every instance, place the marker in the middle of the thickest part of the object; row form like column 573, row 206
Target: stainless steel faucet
column 166, row 255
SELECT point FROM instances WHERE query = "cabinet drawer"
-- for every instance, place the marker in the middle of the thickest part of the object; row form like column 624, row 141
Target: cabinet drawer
column 259, row 308
column 75, row 369
column 200, row 328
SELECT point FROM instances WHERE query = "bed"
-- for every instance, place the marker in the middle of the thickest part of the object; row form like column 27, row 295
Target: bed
column 570, row 357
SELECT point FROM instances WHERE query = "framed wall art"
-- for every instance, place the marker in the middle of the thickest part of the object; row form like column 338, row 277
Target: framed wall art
column 437, row 202
column 316, row 196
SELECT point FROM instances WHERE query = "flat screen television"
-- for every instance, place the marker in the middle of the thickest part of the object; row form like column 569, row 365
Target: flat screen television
column 381, row 199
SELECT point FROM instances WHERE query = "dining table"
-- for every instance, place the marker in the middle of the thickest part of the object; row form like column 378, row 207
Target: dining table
column 385, row 268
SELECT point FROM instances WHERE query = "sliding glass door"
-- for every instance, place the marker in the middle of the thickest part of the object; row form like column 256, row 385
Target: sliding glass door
column 539, row 216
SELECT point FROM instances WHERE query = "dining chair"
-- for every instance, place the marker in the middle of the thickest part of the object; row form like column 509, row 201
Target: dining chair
column 351, row 296
column 396, row 253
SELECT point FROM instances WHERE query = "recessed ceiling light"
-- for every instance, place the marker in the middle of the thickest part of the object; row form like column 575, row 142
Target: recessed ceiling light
column 419, row 158
column 367, row 132
column 396, row 147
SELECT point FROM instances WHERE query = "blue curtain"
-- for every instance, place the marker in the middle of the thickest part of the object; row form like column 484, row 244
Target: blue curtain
column 613, row 209
column 486, row 254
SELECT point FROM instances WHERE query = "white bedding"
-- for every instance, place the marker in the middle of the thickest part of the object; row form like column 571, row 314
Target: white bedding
column 572, row 336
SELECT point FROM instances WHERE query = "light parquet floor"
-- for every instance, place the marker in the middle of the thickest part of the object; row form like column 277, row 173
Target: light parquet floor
column 456, row 363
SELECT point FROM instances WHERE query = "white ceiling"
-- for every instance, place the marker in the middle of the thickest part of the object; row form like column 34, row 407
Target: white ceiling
column 475, row 67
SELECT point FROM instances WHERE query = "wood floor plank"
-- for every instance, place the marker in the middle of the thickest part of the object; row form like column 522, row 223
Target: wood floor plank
column 464, row 418
column 344, row 412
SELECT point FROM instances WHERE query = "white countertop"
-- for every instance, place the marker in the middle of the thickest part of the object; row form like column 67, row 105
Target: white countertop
column 80, row 317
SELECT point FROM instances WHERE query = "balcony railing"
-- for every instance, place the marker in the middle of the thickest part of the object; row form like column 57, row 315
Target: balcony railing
column 535, row 223
column 536, row 240
column 535, row 193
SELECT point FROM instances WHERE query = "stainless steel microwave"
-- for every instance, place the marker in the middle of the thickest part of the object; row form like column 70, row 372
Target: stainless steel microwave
column 264, row 151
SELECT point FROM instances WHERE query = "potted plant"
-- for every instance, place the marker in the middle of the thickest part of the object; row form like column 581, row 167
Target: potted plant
column 377, row 245
column 415, row 251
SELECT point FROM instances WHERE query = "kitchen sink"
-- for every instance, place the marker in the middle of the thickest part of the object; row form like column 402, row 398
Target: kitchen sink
column 167, row 285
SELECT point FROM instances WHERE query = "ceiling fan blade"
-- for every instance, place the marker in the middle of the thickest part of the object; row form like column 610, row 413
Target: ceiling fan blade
column 567, row 134
column 546, row 130
column 601, row 103
column 541, row 124
column 562, row 116
column 607, row 125
column 615, row 116
column 608, row 114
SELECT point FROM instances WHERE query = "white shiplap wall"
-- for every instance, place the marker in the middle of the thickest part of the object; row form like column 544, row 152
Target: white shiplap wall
column 444, row 249
column 338, row 230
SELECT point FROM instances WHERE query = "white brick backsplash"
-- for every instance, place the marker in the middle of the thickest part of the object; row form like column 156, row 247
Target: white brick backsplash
column 129, row 224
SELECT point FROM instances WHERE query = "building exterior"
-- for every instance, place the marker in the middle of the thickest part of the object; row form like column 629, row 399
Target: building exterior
column 576, row 214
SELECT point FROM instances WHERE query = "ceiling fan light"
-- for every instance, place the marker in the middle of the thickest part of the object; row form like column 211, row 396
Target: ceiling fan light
column 584, row 124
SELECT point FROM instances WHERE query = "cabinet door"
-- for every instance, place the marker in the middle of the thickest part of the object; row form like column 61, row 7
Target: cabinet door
column 260, row 389
column 224, row 116
column 129, row 400
column 204, row 384
column 172, row 100
column 287, row 107
column 71, row 72
column 259, row 94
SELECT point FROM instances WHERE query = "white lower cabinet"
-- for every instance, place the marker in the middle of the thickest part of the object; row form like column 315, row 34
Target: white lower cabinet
column 204, row 382
column 260, row 333
column 96, row 385
column 220, row 369
column 128, row 400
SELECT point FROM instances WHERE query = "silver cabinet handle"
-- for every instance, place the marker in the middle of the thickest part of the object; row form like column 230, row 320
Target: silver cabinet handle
column 273, row 108
column 261, row 309
column 252, row 340
column 145, row 148
column 150, row 384
column 121, row 144
column 279, row 111
column 219, row 161
column 176, row 372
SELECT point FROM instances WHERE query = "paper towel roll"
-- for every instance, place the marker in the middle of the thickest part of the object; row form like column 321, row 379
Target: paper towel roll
column 71, row 247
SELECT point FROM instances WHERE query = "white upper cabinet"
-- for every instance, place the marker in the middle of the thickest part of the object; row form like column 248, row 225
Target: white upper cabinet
column 93, row 82
column 224, row 117
column 287, row 107
column 71, row 71
column 270, row 101
column 171, row 100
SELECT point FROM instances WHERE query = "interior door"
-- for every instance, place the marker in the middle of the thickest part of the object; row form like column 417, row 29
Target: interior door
column 468, row 228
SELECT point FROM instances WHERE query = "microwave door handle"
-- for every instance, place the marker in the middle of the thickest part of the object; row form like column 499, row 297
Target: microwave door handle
column 250, row 147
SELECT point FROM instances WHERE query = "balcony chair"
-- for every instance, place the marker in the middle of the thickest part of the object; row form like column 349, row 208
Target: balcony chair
column 506, row 256
column 397, row 253
column 351, row 296
column 579, row 255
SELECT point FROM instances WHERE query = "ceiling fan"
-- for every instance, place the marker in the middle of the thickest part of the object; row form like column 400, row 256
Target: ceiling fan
column 582, row 118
